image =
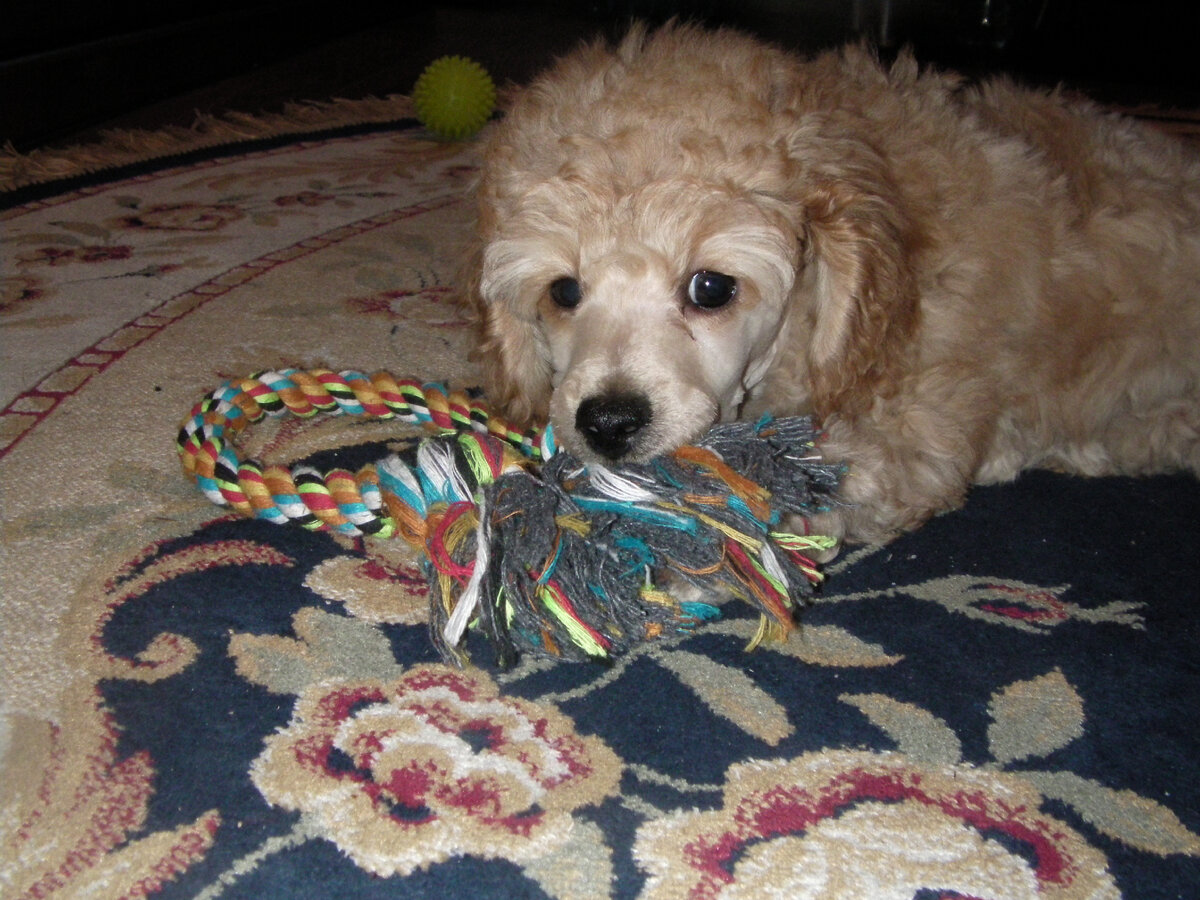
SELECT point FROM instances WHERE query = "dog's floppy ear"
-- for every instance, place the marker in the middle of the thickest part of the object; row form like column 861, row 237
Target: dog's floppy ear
column 509, row 347
column 859, row 243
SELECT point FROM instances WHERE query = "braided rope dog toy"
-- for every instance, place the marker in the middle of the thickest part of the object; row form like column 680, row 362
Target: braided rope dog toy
column 520, row 540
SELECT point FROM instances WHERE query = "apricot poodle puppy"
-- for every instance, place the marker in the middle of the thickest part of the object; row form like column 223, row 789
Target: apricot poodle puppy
column 959, row 280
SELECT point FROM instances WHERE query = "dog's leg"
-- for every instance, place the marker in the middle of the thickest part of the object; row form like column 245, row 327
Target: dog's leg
column 905, row 461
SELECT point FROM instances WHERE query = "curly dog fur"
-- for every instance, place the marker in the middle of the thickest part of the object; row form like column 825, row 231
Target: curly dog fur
column 961, row 280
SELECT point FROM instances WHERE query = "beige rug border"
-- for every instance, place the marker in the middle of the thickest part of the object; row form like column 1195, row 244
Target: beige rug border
column 126, row 147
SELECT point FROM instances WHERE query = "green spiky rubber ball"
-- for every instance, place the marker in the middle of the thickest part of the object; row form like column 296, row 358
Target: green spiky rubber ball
column 454, row 97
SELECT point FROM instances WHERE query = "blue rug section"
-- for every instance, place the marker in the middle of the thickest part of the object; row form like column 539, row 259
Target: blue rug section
column 1091, row 583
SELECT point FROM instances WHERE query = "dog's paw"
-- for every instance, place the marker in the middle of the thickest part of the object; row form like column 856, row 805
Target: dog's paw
column 829, row 524
column 684, row 591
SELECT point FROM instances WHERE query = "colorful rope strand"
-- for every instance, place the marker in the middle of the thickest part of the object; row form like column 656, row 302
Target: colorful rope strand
column 351, row 504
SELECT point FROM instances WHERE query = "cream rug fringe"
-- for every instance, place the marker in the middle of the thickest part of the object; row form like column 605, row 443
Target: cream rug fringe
column 118, row 148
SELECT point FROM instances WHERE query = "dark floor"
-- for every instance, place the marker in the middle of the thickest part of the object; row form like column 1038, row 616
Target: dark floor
column 257, row 61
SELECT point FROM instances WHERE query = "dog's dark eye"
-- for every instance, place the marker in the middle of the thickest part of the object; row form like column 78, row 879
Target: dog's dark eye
column 710, row 290
column 566, row 292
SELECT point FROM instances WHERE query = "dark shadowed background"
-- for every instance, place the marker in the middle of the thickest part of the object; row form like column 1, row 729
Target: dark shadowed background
column 69, row 68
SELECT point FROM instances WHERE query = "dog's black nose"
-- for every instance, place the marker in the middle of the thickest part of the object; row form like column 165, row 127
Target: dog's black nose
column 610, row 423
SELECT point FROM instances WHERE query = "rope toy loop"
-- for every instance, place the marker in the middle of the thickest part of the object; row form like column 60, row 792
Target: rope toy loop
column 522, row 542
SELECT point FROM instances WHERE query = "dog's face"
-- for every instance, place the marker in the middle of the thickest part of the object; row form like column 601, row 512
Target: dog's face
column 658, row 233
column 653, row 311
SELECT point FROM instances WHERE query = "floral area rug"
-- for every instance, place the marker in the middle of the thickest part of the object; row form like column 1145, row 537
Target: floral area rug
column 1003, row 705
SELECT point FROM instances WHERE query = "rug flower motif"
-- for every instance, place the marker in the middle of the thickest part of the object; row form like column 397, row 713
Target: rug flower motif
column 844, row 824
column 1000, row 706
column 433, row 765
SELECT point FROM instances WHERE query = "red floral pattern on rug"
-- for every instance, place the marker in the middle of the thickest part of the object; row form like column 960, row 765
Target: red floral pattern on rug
column 841, row 825
column 434, row 765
